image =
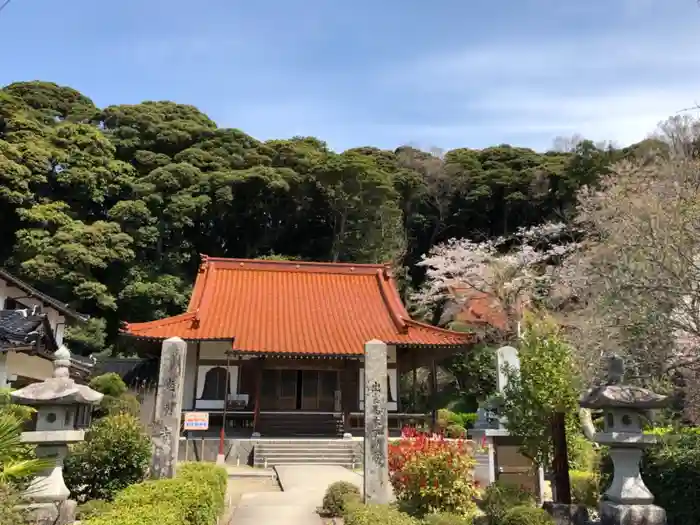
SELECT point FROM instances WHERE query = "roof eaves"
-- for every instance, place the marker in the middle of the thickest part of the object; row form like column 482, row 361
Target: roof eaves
column 46, row 299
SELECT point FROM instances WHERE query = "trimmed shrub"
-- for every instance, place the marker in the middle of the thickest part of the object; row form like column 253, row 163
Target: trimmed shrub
column 196, row 503
column 92, row 509
column 211, row 475
column 160, row 514
column 115, row 454
column 433, row 475
column 447, row 418
column 338, row 497
column 378, row 515
column 194, row 497
column 584, row 487
column 456, row 432
column 446, row 518
column 499, row 497
column 109, row 384
column 525, row 515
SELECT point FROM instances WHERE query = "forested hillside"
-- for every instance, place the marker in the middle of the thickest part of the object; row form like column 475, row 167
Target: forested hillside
column 109, row 208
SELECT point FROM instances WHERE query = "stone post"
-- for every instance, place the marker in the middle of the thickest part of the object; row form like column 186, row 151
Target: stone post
column 3, row 370
column 166, row 426
column 376, row 477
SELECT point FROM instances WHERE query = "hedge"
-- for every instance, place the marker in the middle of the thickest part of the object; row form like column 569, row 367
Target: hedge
column 371, row 514
column 195, row 496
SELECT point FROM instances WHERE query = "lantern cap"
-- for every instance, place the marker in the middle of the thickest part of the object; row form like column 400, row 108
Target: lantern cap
column 59, row 389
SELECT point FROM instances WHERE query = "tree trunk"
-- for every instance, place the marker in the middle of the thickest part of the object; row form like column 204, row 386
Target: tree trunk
column 560, row 464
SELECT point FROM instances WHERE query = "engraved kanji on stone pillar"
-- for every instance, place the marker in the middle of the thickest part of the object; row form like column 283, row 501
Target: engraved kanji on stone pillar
column 376, row 424
column 166, row 426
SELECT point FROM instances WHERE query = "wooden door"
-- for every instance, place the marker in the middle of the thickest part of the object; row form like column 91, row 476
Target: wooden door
column 318, row 390
column 328, row 384
column 309, row 390
column 279, row 390
column 288, row 389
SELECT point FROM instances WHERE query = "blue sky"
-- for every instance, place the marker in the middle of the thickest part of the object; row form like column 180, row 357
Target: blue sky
column 446, row 73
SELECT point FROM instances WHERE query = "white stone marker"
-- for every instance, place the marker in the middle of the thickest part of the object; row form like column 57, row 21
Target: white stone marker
column 166, row 427
column 506, row 355
column 376, row 424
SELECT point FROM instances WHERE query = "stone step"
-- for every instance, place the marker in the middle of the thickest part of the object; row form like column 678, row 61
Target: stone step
column 304, row 460
column 339, row 445
column 307, row 452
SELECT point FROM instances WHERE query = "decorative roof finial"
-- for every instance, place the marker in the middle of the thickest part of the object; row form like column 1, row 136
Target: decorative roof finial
column 616, row 370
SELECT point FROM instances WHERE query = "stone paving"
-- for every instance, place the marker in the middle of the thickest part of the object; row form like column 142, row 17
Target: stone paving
column 303, row 487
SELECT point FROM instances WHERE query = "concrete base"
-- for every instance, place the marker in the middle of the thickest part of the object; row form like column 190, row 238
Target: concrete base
column 620, row 514
column 221, row 459
column 62, row 513
column 567, row 514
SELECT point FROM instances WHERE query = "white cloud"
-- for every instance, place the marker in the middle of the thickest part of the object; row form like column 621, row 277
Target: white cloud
column 605, row 87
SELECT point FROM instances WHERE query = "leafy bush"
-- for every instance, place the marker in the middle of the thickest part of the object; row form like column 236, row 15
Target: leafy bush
column 17, row 463
column 160, row 514
column 116, row 398
column 194, row 497
column 205, row 473
column 92, row 509
column 447, row 418
column 671, row 471
column 125, row 404
column 115, row 454
column 9, row 515
column 433, row 475
column 378, row 515
column 584, row 487
column 499, row 497
column 337, row 497
column 456, row 432
column 110, row 384
column 21, row 412
column 583, row 455
column 525, row 515
column 197, row 503
column 447, row 518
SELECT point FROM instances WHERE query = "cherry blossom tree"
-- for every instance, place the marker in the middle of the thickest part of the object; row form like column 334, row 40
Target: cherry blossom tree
column 513, row 272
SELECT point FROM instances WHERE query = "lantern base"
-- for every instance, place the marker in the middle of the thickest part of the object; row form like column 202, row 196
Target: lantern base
column 59, row 513
column 621, row 514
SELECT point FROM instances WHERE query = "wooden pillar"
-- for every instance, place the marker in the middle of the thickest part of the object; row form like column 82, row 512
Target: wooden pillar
column 258, row 392
column 433, row 395
column 346, row 393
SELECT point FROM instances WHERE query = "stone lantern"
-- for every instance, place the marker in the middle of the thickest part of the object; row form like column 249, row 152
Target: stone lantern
column 63, row 409
column 627, row 501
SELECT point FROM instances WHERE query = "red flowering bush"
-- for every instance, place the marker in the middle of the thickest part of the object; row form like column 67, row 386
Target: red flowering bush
column 432, row 474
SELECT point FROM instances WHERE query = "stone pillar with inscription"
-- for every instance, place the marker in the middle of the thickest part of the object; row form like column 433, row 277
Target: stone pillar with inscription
column 376, row 478
column 166, row 426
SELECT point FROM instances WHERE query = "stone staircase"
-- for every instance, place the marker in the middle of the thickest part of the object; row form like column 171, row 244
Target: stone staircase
column 342, row 452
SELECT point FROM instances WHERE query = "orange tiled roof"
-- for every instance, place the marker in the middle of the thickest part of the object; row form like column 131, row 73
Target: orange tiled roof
column 479, row 308
column 296, row 308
